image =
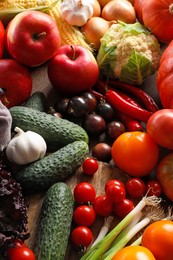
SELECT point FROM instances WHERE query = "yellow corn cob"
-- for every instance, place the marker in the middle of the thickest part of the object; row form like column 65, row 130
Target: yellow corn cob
column 24, row 4
column 69, row 34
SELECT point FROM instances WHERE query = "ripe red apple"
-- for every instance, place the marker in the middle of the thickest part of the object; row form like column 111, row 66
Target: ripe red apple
column 73, row 69
column 2, row 39
column 15, row 82
column 32, row 38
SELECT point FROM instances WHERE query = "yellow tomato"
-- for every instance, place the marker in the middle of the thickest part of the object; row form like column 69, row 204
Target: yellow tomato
column 134, row 253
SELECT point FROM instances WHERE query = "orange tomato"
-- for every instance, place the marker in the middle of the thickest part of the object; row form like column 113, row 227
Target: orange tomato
column 158, row 238
column 134, row 253
column 135, row 153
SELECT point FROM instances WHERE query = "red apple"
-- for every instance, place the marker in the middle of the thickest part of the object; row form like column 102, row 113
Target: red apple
column 73, row 69
column 32, row 38
column 2, row 39
column 15, row 82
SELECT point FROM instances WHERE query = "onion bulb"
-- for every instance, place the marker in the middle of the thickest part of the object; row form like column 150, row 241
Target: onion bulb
column 96, row 8
column 103, row 2
column 121, row 10
column 94, row 29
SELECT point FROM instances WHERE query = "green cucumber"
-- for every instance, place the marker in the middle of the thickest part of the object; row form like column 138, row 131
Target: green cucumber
column 57, row 166
column 54, row 223
column 37, row 101
column 56, row 131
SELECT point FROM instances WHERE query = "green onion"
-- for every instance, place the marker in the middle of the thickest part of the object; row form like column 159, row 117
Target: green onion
column 104, row 230
column 96, row 252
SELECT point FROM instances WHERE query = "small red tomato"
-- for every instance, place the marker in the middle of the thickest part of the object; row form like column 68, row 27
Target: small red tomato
column 154, row 188
column 84, row 215
column 90, row 166
column 81, row 237
column 123, row 208
column 21, row 253
column 84, row 193
column 103, row 206
column 115, row 192
column 135, row 187
column 114, row 181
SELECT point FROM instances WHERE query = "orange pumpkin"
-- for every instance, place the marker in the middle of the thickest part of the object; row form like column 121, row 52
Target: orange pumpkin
column 157, row 16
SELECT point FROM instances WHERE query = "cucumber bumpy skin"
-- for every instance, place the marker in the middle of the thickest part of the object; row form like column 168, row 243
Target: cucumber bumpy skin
column 57, row 132
column 37, row 101
column 41, row 174
column 55, row 223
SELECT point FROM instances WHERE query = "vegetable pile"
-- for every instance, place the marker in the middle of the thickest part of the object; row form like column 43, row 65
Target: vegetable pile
column 95, row 111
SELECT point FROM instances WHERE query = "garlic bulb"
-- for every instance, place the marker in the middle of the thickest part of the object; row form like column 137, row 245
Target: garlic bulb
column 25, row 147
column 76, row 12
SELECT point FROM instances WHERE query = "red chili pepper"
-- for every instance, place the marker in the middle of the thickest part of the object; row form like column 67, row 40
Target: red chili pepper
column 130, row 123
column 98, row 95
column 144, row 97
column 127, row 98
column 102, row 87
column 119, row 103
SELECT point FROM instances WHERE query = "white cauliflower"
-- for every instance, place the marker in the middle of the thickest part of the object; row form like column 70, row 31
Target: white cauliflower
column 128, row 52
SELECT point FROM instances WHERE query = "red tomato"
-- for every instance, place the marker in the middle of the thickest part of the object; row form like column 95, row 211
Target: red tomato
column 16, row 243
column 103, row 206
column 135, row 153
column 2, row 39
column 153, row 188
column 159, row 127
column 81, row 236
column 123, row 208
column 117, row 182
column 90, row 166
column 164, row 174
column 21, row 253
column 84, row 192
column 158, row 238
column 135, row 187
column 115, row 192
column 134, row 253
column 84, row 215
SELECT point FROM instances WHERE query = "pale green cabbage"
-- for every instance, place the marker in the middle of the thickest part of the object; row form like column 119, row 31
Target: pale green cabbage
column 128, row 52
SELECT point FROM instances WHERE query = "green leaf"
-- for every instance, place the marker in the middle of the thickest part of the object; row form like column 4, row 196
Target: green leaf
column 137, row 69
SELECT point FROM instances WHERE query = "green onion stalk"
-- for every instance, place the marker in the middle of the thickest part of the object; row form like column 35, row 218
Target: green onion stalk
column 97, row 252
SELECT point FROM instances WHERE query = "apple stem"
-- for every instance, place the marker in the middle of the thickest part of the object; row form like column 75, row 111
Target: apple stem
column 73, row 52
column 38, row 36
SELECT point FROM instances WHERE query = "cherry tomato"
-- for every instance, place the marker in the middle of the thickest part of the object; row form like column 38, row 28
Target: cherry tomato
column 135, row 153
column 115, row 192
column 81, row 237
column 123, row 208
column 103, row 206
column 90, row 166
column 21, row 253
column 15, row 244
column 115, row 181
column 2, row 39
column 135, row 187
column 133, row 253
column 158, row 238
column 159, row 126
column 153, row 188
column 84, row 215
column 84, row 193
